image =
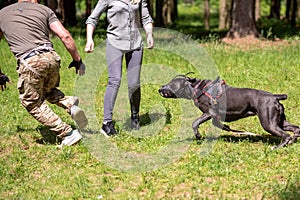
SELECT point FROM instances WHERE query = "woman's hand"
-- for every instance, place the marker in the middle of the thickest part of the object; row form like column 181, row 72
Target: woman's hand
column 89, row 47
column 150, row 41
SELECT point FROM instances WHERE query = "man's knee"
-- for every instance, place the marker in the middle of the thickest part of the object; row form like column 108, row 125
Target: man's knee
column 54, row 96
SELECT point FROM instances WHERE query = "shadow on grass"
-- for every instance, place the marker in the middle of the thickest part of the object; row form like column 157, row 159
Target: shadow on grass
column 268, row 139
column 250, row 138
column 290, row 191
column 48, row 137
column 147, row 119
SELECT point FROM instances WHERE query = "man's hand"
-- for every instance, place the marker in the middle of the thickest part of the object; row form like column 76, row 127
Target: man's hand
column 79, row 66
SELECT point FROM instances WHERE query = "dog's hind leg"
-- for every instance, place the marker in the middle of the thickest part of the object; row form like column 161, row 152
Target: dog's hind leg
column 203, row 118
column 270, row 123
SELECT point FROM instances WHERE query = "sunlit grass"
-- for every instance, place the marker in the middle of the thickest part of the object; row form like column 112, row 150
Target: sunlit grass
column 236, row 167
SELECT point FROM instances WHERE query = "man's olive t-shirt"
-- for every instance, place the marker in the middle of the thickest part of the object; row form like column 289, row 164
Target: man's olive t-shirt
column 25, row 26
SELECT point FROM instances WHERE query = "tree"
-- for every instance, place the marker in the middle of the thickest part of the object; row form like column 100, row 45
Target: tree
column 69, row 8
column 291, row 12
column 151, row 6
column 166, row 12
column 57, row 7
column 159, row 14
column 206, row 15
column 257, row 10
column 224, row 14
column 298, row 10
column 88, row 9
column 243, row 19
column 275, row 9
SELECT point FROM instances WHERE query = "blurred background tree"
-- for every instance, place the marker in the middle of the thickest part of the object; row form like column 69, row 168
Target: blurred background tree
column 238, row 18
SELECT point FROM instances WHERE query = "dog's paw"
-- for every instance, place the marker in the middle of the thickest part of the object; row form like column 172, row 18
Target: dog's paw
column 287, row 141
column 293, row 140
column 198, row 136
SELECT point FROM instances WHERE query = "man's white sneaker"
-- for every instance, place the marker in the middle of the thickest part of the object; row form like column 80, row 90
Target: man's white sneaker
column 71, row 138
column 79, row 117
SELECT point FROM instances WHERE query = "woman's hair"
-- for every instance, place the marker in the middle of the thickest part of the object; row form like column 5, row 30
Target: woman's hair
column 135, row 1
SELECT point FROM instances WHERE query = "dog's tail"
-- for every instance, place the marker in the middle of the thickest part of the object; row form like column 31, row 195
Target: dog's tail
column 280, row 96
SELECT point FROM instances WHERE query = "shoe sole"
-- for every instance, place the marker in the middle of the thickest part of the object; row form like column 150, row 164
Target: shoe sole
column 79, row 117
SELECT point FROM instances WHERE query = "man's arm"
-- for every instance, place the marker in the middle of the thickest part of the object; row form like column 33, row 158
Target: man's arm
column 70, row 45
column 66, row 38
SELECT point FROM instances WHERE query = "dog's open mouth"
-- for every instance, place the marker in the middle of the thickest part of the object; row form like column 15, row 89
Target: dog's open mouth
column 166, row 93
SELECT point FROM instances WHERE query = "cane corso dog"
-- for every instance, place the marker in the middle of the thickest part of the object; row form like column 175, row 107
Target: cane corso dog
column 3, row 80
column 221, row 102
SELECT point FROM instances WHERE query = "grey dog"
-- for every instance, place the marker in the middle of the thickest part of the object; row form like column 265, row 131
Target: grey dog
column 221, row 102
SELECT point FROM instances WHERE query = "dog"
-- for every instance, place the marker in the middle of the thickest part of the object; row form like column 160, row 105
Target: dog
column 223, row 103
column 3, row 80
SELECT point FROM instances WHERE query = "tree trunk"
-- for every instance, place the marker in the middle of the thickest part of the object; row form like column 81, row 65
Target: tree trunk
column 88, row 9
column 61, row 10
column 288, row 9
column 243, row 20
column 151, row 7
column 257, row 10
column 298, row 10
column 291, row 12
column 166, row 12
column 57, row 7
column 168, row 9
column 224, row 14
column 294, row 13
column 175, row 10
column 159, row 13
column 69, row 12
column 52, row 4
column 206, row 15
column 275, row 9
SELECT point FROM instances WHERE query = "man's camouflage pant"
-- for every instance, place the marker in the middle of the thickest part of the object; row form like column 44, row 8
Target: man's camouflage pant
column 38, row 81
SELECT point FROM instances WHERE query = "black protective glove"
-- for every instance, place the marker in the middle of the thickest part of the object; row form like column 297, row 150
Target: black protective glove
column 79, row 66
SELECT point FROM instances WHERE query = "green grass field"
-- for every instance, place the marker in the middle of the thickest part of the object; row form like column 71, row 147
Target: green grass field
column 162, row 161
column 231, row 167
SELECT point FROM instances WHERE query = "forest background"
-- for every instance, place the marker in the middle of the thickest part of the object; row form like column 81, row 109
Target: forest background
column 235, row 18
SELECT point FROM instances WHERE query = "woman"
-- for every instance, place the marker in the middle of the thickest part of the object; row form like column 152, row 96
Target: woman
column 124, row 17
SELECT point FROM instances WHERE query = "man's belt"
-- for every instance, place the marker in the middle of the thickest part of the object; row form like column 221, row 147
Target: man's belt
column 35, row 52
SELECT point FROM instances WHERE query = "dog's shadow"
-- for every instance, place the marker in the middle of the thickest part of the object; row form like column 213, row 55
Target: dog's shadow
column 238, row 138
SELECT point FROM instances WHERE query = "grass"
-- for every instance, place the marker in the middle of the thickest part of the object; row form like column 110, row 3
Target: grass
column 233, row 168
column 162, row 161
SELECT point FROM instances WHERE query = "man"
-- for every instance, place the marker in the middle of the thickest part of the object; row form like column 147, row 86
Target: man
column 26, row 26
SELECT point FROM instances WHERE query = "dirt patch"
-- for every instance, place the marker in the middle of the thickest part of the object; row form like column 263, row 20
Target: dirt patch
column 250, row 43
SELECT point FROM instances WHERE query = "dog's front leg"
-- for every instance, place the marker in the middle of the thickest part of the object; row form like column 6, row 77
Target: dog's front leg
column 203, row 118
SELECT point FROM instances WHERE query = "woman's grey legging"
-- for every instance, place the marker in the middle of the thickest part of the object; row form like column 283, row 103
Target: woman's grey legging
column 114, row 59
